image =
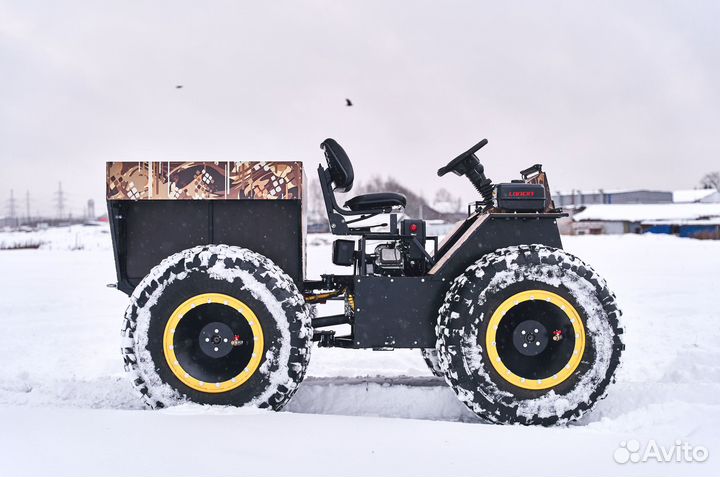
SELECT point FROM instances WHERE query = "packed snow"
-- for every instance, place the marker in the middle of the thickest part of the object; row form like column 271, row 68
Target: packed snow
column 67, row 407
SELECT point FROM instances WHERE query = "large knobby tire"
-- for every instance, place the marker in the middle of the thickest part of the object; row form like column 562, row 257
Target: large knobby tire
column 216, row 324
column 529, row 335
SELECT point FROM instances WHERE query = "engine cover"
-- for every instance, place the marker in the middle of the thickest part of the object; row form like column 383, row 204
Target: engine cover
column 388, row 260
column 517, row 197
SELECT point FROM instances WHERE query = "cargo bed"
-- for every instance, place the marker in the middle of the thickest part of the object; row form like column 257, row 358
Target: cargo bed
column 160, row 208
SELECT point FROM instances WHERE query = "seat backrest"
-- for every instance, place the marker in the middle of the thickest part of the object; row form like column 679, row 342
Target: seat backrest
column 339, row 165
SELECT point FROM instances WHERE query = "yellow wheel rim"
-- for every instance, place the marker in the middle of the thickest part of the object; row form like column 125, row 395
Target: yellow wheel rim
column 186, row 377
column 567, row 370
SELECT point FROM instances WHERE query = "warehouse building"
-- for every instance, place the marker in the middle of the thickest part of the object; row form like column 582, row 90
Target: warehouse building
column 698, row 196
column 695, row 219
column 578, row 198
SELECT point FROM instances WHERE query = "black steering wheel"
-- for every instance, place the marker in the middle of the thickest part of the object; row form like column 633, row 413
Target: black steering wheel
column 464, row 162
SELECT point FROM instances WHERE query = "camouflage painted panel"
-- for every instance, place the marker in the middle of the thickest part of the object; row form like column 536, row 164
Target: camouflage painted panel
column 204, row 180
column 542, row 179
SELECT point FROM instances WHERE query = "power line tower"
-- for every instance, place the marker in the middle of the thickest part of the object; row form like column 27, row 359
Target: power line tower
column 11, row 206
column 60, row 202
column 90, row 210
column 27, row 206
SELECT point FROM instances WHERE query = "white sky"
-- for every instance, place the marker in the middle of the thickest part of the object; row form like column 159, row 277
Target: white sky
column 604, row 94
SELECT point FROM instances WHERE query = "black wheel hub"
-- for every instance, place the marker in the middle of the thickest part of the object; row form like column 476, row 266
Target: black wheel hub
column 530, row 338
column 524, row 339
column 203, row 342
column 215, row 339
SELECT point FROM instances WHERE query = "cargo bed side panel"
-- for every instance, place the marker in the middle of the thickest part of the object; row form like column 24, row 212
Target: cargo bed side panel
column 157, row 209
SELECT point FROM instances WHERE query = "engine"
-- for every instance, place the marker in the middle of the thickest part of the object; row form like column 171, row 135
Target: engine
column 404, row 257
column 388, row 260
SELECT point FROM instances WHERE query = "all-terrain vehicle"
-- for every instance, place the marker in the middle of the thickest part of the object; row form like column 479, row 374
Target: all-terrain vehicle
column 213, row 256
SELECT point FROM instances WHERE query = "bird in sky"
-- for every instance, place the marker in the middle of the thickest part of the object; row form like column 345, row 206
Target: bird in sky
column 348, row 102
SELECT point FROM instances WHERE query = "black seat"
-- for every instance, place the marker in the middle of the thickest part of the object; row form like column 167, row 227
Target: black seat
column 339, row 176
column 339, row 165
column 378, row 200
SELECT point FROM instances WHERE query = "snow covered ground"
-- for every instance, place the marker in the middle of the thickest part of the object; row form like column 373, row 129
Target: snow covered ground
column 66, row 408
column 95, row 236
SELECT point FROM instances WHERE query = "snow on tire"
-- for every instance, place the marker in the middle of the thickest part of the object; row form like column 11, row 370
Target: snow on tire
column 529, row 335
column 216, row 324
column 430, row 356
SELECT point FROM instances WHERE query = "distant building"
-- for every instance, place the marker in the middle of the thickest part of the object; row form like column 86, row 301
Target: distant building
column 696, row 220
column 703, row 196
column 641, row 196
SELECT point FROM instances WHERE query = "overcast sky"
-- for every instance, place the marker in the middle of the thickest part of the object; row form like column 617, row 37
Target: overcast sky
column 604, row 94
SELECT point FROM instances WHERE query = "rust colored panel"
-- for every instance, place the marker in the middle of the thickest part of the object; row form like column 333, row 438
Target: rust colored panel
column 204, row 180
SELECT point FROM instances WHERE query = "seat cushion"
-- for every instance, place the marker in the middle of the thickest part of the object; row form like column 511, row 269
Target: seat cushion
column 378, row 200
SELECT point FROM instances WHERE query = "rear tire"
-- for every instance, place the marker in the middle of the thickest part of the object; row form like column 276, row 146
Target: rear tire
column 238, row 299
column 487, row 341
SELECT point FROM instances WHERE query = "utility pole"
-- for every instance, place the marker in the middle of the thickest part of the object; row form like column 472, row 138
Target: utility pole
column 60, row 201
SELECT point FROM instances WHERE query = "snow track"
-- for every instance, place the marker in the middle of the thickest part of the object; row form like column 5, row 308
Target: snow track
column 430, row 397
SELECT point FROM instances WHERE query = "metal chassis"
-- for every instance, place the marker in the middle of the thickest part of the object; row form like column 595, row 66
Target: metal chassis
column 401, row 312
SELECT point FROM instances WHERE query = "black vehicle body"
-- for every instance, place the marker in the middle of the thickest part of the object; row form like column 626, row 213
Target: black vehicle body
column 390, row 303
column 401, row 312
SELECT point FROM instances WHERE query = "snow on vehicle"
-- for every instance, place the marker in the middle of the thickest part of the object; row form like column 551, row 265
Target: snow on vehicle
column 213, row 257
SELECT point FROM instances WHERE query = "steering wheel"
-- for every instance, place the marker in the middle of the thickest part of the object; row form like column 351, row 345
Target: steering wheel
column 464, row 162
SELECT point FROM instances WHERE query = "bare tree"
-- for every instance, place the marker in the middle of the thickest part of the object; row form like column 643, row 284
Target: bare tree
column 315, row 202
column 446, row 202
column 711, row 180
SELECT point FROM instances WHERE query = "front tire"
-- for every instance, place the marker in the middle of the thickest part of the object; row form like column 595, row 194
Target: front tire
column 217, row 325
column 529, row 335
